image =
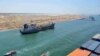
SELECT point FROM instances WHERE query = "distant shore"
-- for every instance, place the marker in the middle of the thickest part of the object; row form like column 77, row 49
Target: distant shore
column 3, row 30
column 7, row 30
column 15, row 21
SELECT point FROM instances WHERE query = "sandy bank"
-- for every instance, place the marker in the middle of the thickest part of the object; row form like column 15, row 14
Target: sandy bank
column 11, row 21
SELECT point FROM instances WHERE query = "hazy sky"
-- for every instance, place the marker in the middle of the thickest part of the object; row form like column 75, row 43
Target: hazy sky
column 50, row 6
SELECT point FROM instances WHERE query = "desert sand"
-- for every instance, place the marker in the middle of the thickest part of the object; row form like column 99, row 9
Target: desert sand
column 16, row 20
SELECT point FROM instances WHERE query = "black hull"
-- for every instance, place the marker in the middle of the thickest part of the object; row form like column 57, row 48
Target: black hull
column 23, row 32
column 38, row 29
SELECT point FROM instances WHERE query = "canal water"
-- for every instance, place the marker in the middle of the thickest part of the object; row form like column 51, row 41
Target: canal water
column 58, row 42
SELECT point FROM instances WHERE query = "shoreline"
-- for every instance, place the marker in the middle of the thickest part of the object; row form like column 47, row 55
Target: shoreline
column 3, row 30
column 7, row 30
column 15, row 21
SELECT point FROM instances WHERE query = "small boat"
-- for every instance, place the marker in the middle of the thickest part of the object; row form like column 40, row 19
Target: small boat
column 44, row 54
column 92, row 18
column 10, row 53
column 28, row 29
column 96, row 37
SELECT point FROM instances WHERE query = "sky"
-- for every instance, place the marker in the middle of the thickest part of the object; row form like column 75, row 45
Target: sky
column 50, row 6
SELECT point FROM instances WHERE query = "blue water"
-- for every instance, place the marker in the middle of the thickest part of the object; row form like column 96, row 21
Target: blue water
column 58, row 42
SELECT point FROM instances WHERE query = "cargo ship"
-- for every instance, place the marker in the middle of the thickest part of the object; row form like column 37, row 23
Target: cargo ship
column 10, row 53
column 89, row 48
column 33, row 28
